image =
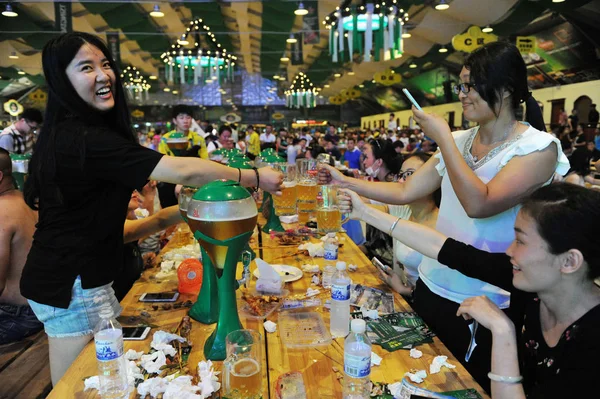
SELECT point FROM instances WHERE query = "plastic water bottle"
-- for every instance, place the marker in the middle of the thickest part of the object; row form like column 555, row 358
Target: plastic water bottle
column 340, row 302
column 112, row 367
column 357, row 362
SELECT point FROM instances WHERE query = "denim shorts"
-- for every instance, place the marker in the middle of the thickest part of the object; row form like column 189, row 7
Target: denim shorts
column 17, row 322
column 82, row 316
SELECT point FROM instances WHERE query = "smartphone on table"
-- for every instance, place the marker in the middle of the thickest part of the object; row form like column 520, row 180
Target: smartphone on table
column 384, row 268
column 159, row 297
column 135, row 333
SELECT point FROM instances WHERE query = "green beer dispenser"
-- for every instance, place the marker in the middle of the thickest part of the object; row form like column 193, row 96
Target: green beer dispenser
column 222, row 216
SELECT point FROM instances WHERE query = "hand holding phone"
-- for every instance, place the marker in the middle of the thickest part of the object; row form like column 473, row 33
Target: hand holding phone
column 384, row 268
column 412, row 99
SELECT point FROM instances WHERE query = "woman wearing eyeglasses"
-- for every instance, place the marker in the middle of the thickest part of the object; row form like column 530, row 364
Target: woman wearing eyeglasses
column 484, row 173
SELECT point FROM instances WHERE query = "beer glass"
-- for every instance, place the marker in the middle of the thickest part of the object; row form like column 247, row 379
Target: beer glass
column 307, row 188
column 242, row 376
column 185, row 196
column 285, row 205
column 329, row 217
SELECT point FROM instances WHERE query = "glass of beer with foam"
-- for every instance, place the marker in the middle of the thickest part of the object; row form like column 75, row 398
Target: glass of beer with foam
column 285, row 204
column 307, row 188
column 242, row 371
column 329, row 217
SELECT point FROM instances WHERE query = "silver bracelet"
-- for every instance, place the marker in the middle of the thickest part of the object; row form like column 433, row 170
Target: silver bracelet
column 394, row 226
column 504, row 378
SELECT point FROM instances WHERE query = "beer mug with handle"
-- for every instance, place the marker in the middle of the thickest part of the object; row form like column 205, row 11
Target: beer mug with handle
column 329, row 217
column 242, row 374
column 285, row 204
column 307, row 188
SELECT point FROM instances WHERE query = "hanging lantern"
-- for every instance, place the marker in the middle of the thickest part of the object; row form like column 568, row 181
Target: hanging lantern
column 135, row 84
column 373, row 30
column 196, row 58
column 301, row 93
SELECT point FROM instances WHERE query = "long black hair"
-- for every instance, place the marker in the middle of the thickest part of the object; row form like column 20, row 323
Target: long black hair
column 497, row 66
column 64, row 103
column 384, row 150
column 567, row 217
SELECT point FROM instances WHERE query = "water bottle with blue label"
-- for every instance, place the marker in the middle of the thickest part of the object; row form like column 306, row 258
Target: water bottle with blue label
column 357, row 362
column 339, row 325
column 112, row 367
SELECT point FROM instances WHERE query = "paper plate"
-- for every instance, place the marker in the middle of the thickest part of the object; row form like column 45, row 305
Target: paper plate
column 287, row 273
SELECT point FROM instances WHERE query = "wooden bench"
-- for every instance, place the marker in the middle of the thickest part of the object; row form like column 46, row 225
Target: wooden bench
column 24, row 368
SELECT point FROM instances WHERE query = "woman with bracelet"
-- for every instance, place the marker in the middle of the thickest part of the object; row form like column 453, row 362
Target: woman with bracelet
column 548, row 346
column 86, row 164
column 484, row 173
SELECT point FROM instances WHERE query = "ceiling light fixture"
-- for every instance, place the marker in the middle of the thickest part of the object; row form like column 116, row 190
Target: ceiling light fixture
column 13, row 55
column 337, row 75
column 166, row 89
column 406, row 35
column 351, row 73
column 442, row 5
column 8, row 11
column 443, row 49
column 301, row 10
column 284, row 58
column 183, row 41
column 276, row 77
column 326, row 86
column 361, row 86
column 412, row 65
column 156, row 12
column 487, row 29
column 21, row 72
column 557, row 1
column 153, row 77
column 291, row 39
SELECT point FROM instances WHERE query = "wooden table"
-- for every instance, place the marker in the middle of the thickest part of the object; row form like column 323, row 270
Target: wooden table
column 316, row 364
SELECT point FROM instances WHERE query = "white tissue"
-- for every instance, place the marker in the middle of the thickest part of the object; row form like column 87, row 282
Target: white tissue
column 163, row 337
column 314, row 250
column 417, row 377
column 370, row 313
column 438, row 362
column 182, row 388
column 315, row 279
column 415, row 353
column 288, row 219
column 269, row 280
column 312, row 292
column 270, row 326
column 152, row 386
column 133, row 355
column 153, row 362
column 91, row 383
column 375, row 359
column 352, row 267
column 133, row 373
column 167, row 265
column 395, row 389
column 209, row 382
column 328, row 235
column 167, row 349
column 310, row 268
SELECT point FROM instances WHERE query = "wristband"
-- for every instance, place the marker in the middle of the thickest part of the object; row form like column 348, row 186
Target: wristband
column 504, row 378
column 257, row 179
column 239, row 175
column 394, row 226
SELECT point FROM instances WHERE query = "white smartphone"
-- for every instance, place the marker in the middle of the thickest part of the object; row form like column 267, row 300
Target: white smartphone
column 159, row 297
column 384, row 268
column 135, row 333
column 412, row 99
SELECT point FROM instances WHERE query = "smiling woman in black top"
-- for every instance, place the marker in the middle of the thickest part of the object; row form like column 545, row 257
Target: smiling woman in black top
column 86, row 164
column 549, row 345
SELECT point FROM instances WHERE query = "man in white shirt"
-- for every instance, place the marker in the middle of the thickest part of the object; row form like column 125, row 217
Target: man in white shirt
column 267, row 137
column 304, row 135
column 18, row 138
column 392, row 124
column 295, row 150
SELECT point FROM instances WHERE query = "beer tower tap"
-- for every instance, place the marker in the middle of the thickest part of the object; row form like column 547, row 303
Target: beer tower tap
column 269, row 158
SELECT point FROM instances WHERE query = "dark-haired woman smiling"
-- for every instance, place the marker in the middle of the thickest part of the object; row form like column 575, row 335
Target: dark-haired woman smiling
column 549, row 346
column 86, row 164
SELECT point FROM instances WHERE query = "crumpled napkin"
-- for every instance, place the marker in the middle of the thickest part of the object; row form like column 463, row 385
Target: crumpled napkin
column 417, row 377
column 163, row 337
column 415, row 353
column 438, row 362
column 310, row 268
column 91, row 383
column 182, row 388
column 209, row 382
column 352, row 267
column 395, row 389
column 153, row 362
column 133, row 373
column 133, row 355
column 269, row 280
column 270, row 326
column 372, row 314
column 167, row 349
column 152, row 386
column 314, row 250
column 312, row 292
column 375, row 359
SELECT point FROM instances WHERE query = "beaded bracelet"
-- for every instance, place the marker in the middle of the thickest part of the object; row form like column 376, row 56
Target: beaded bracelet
column 504, row 378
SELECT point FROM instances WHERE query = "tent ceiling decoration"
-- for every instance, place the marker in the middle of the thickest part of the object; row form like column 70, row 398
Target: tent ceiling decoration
column 197, row 57
column 302, row 93
column 136, row 85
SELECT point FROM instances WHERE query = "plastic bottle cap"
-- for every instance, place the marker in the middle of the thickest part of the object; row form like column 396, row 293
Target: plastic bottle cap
column 340, row 266
column 358, row 326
